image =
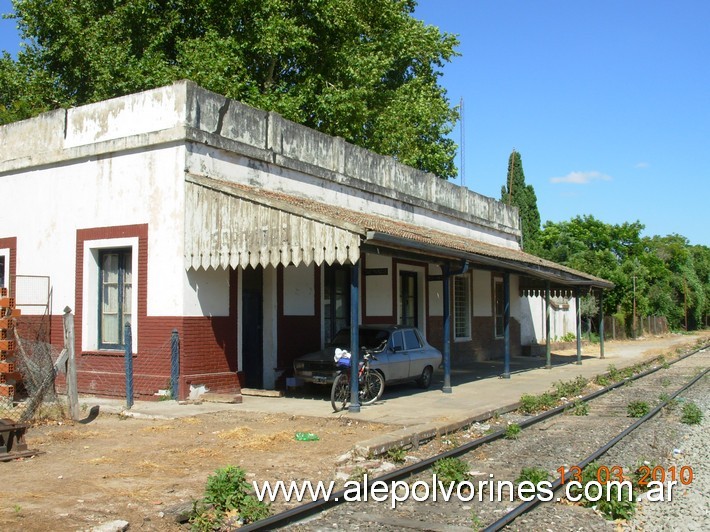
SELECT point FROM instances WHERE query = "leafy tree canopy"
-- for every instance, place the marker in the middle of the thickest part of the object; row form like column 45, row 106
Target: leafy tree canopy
column 662, row 276
column 365, row 70
column 516, row 192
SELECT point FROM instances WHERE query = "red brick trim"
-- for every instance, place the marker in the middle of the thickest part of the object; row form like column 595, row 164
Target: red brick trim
column 11, row 244
column 139, row 231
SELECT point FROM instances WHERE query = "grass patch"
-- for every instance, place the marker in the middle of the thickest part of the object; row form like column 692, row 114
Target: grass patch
column 637, row 408
column 691, row 414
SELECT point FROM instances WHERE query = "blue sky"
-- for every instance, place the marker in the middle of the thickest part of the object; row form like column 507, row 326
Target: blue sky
column 608, row 103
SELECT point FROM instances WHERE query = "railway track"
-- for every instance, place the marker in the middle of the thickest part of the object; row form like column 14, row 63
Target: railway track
column 555, row 442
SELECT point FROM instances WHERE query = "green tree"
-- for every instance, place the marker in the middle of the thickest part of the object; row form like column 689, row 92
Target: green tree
column 607, row 251
column 365, row 70
column 662, row 276
column 516, row 192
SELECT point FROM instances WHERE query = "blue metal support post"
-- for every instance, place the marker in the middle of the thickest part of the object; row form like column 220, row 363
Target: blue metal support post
column 447, row 325
column 174, row 364
column 548, row 355
column 601, row 323
column 506, row 324
column 127, row 343
column 579, row 326
column 354, row 338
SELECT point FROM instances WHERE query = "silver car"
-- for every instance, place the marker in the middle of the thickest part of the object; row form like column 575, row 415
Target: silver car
column 402, row 354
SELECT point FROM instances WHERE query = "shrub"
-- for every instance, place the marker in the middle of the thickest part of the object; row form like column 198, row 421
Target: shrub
column 451, row 470
column 609, row 504
column 531, row 404
column 637, row 408
column 397, row 455
column 579, row 408
column 571, row 388
column 227, row 498
column 692, row 415
column 532, row 474
column 512, row 431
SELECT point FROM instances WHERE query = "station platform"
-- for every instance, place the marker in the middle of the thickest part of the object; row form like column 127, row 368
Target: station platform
column 477, row 390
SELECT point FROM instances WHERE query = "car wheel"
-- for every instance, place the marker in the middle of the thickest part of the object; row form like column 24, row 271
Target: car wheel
column 424, row 380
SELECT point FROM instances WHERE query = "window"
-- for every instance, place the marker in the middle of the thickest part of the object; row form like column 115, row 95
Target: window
column 2, row 271
column 115, row 291
column 397, row 341
column 499, row 305
column 336, row 300
column 411, row 340
column 409, row 299
column 462, row 306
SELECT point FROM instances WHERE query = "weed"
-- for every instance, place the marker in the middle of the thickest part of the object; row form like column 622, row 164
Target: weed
column 580, row 408
column 531, row 404
column 532, row 474
column 451, row 470
column 397, row 455
column 637, row 408
column 612, row 504
column 357, row 474
column 642, row 473
column 571, row 388
column 692, row 415
column 476, row 523
column 614, row 374
column 16, row 508
column 569, row 337
column 227, row 498
column 665, row 381
column 602, row 380
column 512, row 431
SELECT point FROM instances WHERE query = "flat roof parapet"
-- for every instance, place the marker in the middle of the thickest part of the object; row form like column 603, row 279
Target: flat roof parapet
column 184, row 111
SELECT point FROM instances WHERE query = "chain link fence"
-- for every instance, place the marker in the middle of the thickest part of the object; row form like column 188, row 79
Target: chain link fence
column 41, row 387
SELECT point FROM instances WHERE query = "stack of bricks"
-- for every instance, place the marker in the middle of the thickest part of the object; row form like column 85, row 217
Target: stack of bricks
column 8, row 375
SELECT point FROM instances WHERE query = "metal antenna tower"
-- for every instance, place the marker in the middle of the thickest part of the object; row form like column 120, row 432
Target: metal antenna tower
column 462, row 144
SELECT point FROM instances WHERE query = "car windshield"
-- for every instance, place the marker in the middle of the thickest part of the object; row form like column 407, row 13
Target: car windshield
column 374, row 339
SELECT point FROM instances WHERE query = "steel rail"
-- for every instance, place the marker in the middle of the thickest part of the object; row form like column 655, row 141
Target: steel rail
column 529, row 505
column 303, row 511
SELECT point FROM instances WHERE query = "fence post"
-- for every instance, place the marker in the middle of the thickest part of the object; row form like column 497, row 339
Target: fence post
column 72, row 386
column 174, row 364
column 127, row 342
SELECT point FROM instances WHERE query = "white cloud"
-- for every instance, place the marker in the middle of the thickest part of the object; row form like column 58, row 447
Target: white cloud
column 581, row 178
column 641, row 165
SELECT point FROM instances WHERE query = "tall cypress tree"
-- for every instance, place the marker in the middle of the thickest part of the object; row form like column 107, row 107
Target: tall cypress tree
column 516, row 192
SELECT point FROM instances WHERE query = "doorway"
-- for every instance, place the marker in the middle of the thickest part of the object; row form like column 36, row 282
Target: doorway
column 253, row 327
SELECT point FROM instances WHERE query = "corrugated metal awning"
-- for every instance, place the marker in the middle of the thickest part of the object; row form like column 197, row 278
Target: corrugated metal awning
column 228, row 225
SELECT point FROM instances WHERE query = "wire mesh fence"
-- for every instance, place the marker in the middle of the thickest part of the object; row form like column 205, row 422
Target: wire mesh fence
column 131, row 376
column 39, row 386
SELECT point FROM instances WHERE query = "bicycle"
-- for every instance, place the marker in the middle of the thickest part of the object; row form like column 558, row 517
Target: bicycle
column 371, row 383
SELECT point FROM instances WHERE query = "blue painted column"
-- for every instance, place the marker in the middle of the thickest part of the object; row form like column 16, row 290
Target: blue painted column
column 579, row 326
column 601, row 323
column 354, row 338
column 506, row 324
column 548, row 354
column 447, row 327
column 128, row 358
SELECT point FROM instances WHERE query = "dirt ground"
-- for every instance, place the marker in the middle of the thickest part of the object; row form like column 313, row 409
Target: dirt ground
column 137, row 470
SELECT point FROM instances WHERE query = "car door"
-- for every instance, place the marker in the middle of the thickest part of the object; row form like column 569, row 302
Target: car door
column 414, row 348
column 398, row 359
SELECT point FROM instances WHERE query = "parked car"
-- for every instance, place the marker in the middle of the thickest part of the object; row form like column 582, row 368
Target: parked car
column 402, row 354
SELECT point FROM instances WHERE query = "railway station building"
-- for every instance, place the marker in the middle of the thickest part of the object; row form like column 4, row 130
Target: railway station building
column 254, row 237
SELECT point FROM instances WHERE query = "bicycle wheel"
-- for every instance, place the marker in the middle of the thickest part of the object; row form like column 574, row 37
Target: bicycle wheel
column 372, row 385
column 340, row 392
